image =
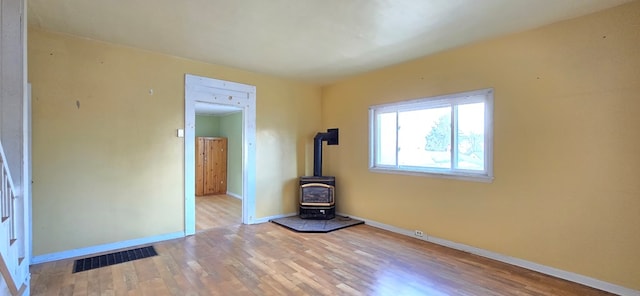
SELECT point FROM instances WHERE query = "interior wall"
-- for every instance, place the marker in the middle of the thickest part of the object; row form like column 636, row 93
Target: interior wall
column 107, row 165
column 207, row 126
column 12, row 86
column 566, row 143
column 231, row 128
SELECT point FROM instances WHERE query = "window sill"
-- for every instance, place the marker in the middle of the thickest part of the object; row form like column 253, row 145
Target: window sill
column 464, row 177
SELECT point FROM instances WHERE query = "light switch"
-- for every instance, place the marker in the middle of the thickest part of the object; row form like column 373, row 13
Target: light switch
column 180, row 133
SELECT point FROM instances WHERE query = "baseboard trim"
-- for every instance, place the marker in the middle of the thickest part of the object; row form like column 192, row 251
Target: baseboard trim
column 229, row 193
column 104, row 248
column 266, row 219
column 566, row 275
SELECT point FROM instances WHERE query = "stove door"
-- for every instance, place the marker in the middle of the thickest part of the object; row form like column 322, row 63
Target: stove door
column 316, row 194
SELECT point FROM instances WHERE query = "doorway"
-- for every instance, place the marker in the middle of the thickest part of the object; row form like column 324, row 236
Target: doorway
column 208, row 91
column 218, row 166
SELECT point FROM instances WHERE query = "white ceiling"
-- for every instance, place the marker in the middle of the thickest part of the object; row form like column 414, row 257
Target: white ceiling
column 312, row 40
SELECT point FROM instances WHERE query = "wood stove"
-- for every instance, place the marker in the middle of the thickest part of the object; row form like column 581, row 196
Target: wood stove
column 317, row 197
column 317, row 192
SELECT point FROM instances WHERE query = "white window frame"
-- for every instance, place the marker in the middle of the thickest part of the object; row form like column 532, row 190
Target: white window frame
column 483, row 95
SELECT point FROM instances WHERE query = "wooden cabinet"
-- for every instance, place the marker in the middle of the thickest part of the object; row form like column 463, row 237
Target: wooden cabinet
column 211, row 165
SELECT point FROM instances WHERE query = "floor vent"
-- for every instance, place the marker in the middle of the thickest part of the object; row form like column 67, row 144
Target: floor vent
column 113, row 258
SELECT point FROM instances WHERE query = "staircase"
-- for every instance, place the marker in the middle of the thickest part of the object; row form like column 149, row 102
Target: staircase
column 14, row 150
column 13, row 268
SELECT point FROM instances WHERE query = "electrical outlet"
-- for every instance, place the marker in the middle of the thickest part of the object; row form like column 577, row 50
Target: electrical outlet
column 419, row 233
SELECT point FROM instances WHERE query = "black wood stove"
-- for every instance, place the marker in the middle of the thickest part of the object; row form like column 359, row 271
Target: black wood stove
column 317, row 192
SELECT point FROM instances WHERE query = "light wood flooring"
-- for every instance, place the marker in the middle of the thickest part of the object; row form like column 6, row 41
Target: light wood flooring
column 217, row 211
column 267, row 259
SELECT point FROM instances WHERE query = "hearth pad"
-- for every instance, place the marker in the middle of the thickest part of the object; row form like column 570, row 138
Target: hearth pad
column 306, row 225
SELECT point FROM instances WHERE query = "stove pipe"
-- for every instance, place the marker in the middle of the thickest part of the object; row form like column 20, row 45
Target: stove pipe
column 331, row 137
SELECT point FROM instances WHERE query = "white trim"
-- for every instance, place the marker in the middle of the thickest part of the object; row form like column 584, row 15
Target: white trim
column 27, row 282
column 562, row 274
column 104, row 248
column 479, row 178
column 242, row 96
column 229, row 193
column 267, row 219
column 27, row 198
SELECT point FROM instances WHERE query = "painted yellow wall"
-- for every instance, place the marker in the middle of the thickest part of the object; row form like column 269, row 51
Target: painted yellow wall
column 107, row 165
column 567, row 147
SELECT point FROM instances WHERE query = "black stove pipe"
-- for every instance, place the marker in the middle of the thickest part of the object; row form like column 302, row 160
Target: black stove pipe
column 331, row 136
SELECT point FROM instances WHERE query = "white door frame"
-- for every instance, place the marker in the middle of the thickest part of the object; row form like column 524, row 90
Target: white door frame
column 243, row 96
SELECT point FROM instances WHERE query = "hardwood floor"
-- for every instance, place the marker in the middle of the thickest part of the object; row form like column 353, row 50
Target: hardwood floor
column 267, row 259
column 217, row 211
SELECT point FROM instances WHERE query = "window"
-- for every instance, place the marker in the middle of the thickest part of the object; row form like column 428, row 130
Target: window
column 448, row 136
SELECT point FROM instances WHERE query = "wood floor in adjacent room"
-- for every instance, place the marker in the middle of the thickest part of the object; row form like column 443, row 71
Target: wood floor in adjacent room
column 217, row 211
column 267, row 259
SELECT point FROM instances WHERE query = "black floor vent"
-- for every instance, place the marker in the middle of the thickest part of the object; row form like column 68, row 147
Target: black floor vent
column 113, row 258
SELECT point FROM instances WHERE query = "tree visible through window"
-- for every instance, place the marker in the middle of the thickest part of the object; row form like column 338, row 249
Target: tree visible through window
column 447, row 135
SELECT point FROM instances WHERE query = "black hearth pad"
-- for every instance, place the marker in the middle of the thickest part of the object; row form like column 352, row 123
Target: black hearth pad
column 307, row 225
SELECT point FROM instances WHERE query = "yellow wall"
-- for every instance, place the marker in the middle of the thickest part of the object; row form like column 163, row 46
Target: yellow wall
column 107, row 165
column 567, row 141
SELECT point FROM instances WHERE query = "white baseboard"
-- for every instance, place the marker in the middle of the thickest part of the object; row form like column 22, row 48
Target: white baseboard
column 229, row 193
column 566, row 275
column 266, row 219
column 104, row 248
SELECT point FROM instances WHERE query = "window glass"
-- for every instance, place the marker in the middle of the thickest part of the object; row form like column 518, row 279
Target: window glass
column 470, row 137
column 424, row 137
column 387, row 134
